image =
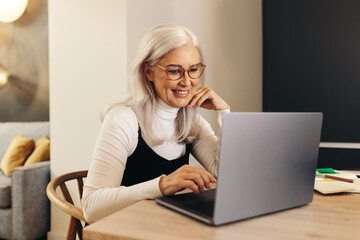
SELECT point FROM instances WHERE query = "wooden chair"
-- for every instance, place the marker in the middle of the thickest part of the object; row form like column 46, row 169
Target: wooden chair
column 66, row 203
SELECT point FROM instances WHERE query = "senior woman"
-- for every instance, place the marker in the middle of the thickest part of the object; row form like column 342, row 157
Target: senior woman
column 142, row 151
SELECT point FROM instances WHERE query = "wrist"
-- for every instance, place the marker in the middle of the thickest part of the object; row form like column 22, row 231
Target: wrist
column 161, row 188
column 223, row 109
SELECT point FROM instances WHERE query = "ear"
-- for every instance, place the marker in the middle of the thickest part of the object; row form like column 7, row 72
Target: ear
column 147, row 72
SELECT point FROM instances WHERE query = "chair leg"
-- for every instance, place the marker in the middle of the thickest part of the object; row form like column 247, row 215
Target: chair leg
column 71, row 234
column 79, row 228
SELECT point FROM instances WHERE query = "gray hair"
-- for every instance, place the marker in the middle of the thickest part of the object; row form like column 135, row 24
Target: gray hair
column 155, row 45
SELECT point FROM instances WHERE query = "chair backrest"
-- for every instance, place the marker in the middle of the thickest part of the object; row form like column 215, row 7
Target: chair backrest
column 66, row 203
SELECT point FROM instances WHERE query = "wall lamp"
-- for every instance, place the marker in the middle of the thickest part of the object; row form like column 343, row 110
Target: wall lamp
column 4, row 74
column 11, row 10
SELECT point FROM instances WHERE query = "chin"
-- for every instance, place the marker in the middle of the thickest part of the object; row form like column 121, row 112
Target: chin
column 179, row 104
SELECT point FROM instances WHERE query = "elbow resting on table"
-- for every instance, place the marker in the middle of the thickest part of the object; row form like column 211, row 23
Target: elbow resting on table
column 89, row 215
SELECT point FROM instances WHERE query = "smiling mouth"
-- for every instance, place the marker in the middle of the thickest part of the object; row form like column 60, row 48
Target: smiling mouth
column 181, row 93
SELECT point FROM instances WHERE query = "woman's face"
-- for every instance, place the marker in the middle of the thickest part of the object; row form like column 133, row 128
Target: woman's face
column 175, row 93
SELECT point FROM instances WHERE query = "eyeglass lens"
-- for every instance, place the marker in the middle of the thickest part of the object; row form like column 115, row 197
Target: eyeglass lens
column 176, row 72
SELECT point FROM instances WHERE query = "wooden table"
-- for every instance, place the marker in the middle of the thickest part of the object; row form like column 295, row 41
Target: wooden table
column 327, row 217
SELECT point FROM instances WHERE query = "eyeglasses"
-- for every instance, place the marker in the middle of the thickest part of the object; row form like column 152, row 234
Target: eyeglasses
column 175, row 72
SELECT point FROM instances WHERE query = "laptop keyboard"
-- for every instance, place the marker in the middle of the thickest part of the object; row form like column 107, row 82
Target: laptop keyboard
column 206, row 207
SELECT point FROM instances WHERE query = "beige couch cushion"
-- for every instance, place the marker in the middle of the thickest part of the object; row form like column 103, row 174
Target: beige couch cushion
column 20, row 148
column 41, row 151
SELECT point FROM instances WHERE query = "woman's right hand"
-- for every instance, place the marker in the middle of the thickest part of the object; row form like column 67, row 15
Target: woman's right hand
column 194, row 178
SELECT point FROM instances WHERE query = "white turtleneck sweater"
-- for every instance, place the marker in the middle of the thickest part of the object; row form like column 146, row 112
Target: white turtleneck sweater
column 118, row 139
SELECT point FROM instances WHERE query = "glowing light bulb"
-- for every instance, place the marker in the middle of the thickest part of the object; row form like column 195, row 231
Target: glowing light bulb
column 11, row 10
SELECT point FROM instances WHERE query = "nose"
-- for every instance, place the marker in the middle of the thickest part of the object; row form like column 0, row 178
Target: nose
column 185, row 80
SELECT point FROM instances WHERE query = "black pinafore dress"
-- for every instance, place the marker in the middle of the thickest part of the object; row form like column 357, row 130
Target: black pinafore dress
column 144, row 164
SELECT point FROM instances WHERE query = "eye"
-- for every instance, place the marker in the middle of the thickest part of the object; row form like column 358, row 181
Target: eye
column 194, row 69
column 174, row 71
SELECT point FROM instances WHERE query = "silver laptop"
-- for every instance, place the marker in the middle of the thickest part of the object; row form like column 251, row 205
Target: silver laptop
column 267, row 164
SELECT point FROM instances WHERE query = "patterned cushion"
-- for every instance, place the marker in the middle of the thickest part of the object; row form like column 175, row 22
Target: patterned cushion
column 5, row 186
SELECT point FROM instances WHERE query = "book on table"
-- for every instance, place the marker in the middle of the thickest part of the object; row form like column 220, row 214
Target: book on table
column 328, row 185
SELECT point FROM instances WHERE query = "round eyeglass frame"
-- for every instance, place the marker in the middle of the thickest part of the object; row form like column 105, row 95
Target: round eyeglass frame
column 184, row 70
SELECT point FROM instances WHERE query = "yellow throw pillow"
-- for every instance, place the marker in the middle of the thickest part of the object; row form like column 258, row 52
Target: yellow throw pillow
column 41, row 152
column 19, row 149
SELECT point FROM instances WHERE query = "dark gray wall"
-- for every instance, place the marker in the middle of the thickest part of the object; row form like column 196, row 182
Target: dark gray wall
column 24, row 52
column 311, row 64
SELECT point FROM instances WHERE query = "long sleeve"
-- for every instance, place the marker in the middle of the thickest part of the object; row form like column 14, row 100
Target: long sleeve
column 207, row 145
column 103, row 194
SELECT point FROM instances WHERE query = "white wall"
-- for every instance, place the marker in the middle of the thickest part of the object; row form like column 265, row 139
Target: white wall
column 92, row 43
column 87, row 41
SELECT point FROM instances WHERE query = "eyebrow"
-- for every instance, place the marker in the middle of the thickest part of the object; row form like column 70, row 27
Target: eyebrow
column 177, row 65
column 174, row 65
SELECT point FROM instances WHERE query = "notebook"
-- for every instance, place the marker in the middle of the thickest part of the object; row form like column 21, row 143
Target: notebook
column 267, row 163
column 330, row 186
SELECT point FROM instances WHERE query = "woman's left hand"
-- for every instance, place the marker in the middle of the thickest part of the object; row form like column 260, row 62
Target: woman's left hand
column 205, row 97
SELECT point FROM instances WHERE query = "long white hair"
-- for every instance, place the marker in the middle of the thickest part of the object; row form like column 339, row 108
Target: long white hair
column 154, row 46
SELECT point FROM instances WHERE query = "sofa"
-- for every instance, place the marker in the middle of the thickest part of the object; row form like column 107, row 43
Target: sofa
column 24, row 206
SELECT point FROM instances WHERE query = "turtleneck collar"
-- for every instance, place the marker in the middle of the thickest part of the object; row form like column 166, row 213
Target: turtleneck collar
column 166, row 112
